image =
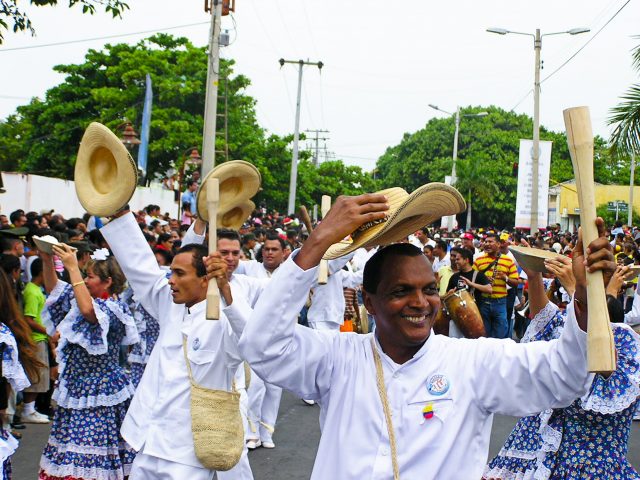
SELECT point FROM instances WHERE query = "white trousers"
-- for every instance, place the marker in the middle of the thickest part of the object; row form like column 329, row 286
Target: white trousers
column 264, row 402
column 148, row 467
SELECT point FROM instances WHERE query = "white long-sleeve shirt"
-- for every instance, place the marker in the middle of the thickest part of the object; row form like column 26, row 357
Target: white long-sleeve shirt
column 485, row 376
column 159, row 417
column 633, row 316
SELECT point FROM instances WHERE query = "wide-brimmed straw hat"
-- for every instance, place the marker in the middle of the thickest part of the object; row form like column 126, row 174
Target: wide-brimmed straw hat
column 105, row 175
column 407, row 213
column 533, row 258
column 239, row 182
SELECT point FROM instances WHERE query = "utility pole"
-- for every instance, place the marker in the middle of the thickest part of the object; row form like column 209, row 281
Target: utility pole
column 316, row 158
column 211, row 99
column 535, row 160
column 296, row 134
column 631, row 185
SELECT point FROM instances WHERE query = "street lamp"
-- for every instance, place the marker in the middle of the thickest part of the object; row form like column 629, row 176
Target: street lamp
column 451, row 219
column 129, row 136
column 537, row 46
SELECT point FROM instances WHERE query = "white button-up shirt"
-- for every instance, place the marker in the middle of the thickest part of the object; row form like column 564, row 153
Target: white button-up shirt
column 159, row 417
column 464, row 381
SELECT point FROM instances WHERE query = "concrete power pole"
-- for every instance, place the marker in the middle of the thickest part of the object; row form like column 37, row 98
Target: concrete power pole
column 291, row 207
column 316, row 158
column 535, row 160
column 211, row 100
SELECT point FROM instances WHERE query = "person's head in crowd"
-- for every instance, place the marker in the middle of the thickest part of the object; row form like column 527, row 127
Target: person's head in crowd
column 175, row 236
column 628, row 248
column 104, row 278
column 165, row 242
column 83, row 253
column 163, row 257
column 249, row 241
column 151, row 240
column 292, row 236
column 156, row 227
column 464, row 258
column 467, row 241
column 421, row 235
column 46, row 213
column 75, row 235
column 453, row 255
column 11, row 266
column 491, row 244
column 36, row 271
column 505, row 241
column 273, row 251
column 18, row 218
column 440, row 249
column 174, row 224
column 229, row 248
column 188, row 279
column 192, row 186
column 400, row 291
column 11, row 244
column 77, row 224
column 12, row 317
column 427, row 250
column 4, row 221
column 287, row 250
column 96, row 238
column 260, row 234
column 195, row 176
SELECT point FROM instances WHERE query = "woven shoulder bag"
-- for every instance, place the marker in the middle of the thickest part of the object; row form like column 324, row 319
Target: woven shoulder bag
column 216, row 424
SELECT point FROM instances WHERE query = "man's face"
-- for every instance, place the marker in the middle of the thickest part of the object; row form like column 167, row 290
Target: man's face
column 193, row 187
column 251, row 244
column 428, row 252
column 420, row 236
column 468, row 244
column 461, row 262
column 186, row 286
column 18, row 248
column 20, row 221
column 491, row 246
column 4, row 221
column 454, row 258
column 272, row 254
column 406, row 301
column 230, row 251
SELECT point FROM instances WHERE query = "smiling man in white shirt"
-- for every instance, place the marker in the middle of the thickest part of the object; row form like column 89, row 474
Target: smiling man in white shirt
column 406, row 400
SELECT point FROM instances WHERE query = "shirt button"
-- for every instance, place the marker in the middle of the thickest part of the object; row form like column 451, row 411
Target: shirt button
column 384, row 452
column 396, row 375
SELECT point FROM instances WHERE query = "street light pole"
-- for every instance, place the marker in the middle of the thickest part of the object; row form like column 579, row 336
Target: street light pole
column 455, row 147
column 535, row 160
column 293, row 181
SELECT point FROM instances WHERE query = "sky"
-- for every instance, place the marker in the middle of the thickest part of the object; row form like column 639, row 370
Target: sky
column 384, row 62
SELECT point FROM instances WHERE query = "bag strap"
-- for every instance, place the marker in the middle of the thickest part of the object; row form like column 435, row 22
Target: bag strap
column 382, row 390
column 473, row 280
column 186, row 359
column 490, row 265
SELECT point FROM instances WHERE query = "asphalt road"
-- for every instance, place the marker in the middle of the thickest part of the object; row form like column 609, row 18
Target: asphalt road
column 296, row 442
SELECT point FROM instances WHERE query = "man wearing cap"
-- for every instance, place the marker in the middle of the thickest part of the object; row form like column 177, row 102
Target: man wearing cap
column 467, row 242
column 403, row 402
column 500, row 270
column 158, row 422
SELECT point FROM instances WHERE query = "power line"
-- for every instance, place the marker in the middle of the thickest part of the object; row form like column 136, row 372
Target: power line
column 68, row 42
column 586, row 43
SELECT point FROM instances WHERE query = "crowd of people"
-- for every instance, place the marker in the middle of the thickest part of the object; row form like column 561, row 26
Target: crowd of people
column 104, row 336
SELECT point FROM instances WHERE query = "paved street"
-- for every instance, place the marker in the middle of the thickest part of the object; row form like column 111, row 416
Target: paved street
column 296, row 442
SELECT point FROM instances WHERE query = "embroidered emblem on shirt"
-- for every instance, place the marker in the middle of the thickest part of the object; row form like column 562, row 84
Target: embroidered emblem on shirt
column 437, row 384
column 196, row 344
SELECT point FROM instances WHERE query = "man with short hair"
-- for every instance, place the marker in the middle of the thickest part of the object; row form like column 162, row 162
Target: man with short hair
column 158, row 422
column 189, row 196
column 500, row 270
column 403, row 400
column 18, row 218
column 4, row 221
column 440, row 255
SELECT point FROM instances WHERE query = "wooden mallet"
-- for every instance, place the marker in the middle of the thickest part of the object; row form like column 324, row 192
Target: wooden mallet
column 213, row 293
column 601, row 352
column 306, row 219
column 323, row 274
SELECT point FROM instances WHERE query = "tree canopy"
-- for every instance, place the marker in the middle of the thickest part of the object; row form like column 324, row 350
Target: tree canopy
column 493, row 142
column 10, row 12
column 43, row 136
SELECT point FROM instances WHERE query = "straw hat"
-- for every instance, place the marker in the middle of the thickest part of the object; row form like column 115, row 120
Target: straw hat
column 239, row 181
column 105, row 175
column 406, row 214
column 532, row 258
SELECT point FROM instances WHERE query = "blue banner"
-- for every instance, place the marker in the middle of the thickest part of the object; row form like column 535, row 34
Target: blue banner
column 144, row 135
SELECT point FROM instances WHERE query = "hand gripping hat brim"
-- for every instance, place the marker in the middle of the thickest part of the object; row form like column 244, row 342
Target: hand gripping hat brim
column 407, row 213
column 105, row 174
column 532, row 258
column 239, row 181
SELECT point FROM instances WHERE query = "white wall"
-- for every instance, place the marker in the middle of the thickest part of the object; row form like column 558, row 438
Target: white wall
column 35, row 193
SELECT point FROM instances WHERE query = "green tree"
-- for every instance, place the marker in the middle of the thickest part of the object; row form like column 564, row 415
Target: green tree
column 493, row 141
column 625, row 117
column 474, row 185
column 10, row 12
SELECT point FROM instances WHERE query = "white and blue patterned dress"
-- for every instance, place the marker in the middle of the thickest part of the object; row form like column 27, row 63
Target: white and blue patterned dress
column 14, row 373
column 92, row 393
column 588, row 439
column 149, row 330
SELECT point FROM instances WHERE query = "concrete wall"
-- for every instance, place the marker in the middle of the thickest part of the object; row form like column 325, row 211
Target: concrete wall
column 35, row 193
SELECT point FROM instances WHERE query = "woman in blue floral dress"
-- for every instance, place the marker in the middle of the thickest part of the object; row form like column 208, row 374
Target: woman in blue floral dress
column 18, row 356
column 148, row 330
column 589, row 439
column 93, row 391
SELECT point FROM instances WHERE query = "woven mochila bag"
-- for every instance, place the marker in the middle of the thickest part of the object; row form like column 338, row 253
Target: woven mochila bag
column 216, row 424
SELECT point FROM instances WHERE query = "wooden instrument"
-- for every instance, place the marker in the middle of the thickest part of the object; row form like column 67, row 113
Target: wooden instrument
column 463, row 310
column 213, row 294
column 323, row 274
column 601, row 352
column 306, row 219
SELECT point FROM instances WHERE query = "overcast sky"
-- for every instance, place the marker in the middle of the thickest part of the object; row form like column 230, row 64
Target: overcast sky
column 384, row 61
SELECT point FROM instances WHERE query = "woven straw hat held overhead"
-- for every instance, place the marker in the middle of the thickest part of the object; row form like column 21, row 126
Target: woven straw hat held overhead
column 239, row 182
column 105, row 175
column 533, row 258
column 407, row 213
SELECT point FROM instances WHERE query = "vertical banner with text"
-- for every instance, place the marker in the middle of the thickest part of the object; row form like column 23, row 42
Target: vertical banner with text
column 449, row 222
column 525, row 175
